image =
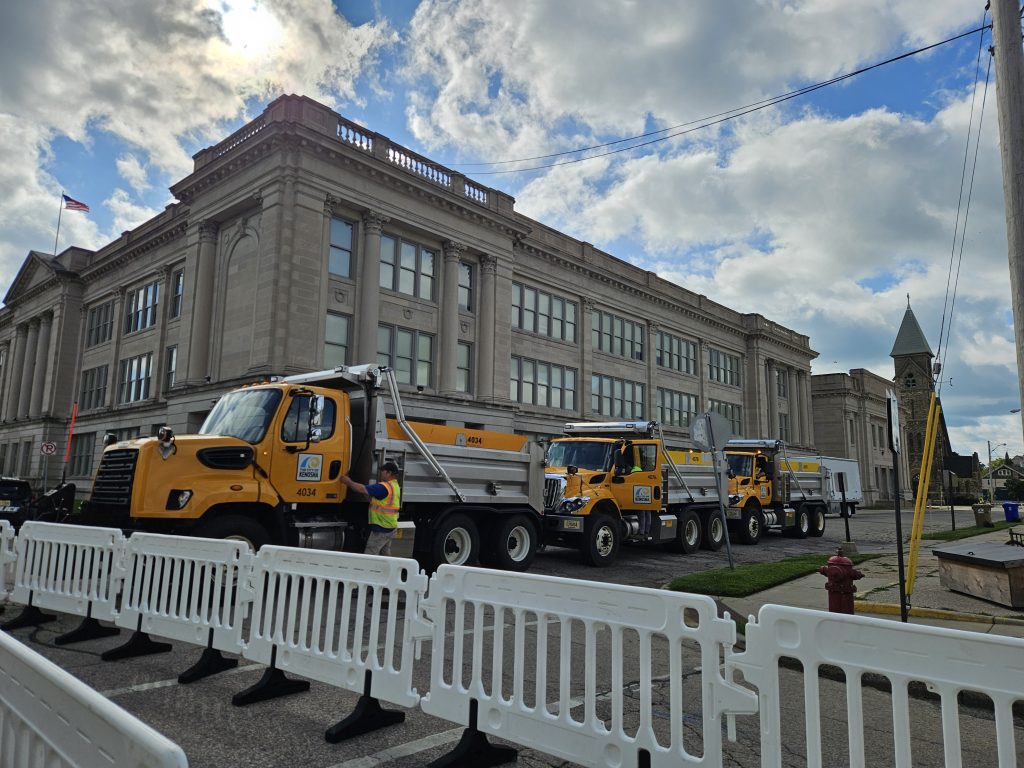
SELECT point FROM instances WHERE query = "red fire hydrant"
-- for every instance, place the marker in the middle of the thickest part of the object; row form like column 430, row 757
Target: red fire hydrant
column 841, row 575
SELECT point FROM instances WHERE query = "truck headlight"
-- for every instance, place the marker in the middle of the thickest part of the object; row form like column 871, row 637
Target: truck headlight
column 574, row 504
column 178, row 499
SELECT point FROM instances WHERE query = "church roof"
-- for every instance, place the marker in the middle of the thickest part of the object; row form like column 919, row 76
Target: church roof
column 910, row 340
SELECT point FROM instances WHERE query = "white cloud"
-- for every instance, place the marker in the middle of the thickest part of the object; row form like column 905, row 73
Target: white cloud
column 127, row 214
column 132, row 170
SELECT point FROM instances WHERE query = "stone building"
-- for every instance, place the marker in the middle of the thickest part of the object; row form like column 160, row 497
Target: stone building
column 305, row 241
column 851, row 422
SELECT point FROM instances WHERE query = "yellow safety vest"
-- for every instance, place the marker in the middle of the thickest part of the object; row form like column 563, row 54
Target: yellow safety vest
column 384, row 512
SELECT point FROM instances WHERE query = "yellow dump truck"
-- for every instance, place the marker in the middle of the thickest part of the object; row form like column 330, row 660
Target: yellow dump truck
column 264, row 468
column 604, row 480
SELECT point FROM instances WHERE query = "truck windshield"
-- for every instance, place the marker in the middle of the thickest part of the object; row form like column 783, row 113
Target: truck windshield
column 584, row 455
column 740, row 463
column 245, row 414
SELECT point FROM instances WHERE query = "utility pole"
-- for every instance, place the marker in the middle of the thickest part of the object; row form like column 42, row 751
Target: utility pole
column 1009, row 55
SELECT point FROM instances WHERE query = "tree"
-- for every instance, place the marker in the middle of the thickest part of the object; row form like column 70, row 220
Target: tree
column 1015, row 488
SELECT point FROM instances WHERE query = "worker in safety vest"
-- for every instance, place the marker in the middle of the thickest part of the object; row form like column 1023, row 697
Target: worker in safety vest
column 385, row 502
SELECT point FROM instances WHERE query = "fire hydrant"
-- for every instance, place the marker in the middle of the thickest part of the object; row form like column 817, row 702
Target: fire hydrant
column 841, row 575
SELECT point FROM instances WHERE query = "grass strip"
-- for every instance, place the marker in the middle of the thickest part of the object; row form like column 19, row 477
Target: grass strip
column 966, row 533
column 747, row 579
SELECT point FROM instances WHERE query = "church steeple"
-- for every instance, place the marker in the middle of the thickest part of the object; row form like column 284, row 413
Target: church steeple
column 910, row 340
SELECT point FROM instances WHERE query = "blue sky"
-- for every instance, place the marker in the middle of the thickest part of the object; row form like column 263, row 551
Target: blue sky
column 821, row 213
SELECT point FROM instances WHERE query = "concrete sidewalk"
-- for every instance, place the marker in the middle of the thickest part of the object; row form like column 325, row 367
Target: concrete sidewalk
column 878, row 595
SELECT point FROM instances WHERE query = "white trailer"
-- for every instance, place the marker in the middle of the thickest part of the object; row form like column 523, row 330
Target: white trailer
column 850, row 470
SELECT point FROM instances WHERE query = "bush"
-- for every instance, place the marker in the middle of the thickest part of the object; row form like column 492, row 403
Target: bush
column 1015, row 489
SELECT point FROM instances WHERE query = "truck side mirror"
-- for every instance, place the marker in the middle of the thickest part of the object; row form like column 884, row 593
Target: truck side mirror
column 316, row 410
column 315, row 435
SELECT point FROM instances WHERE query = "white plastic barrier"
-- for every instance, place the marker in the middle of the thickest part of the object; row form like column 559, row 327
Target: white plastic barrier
column 50, row 719
column 8, row 557
column 183, row 588
column 68, row 568
column 650, row 626
column 319, row 614
column 947, row 661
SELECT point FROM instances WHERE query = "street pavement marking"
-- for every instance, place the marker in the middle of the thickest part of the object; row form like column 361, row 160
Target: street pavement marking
column 169, row 683
column 403, row 750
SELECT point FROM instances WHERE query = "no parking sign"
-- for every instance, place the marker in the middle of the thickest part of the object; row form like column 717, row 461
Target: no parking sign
column 48, row 449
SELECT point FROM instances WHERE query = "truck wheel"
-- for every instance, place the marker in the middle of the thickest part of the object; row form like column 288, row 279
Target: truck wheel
column 803, row 523
column 753, row 524
column 236, row 528
column 714, row 533
column 456, row 541
column 513, row 544
column 690, row 534
column 817, row 522
column 601, row 540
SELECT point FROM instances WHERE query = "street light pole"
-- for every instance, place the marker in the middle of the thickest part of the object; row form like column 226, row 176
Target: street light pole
column 991, row 479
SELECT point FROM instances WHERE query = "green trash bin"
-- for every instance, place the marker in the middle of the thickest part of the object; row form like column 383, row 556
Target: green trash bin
column 1012, row 511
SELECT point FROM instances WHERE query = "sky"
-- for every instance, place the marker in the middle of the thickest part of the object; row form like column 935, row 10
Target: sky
column 822, row 212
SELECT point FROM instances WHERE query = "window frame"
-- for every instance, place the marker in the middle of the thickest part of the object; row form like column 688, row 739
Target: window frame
column 329, row 343
column 177, row 293
column 724, row 368
column 90, row 394
column 615, row 394
column 336, row 246
column 83, row 450
column 399, row 270
column 99, row 325
column 617, row 335
column 676, row 353
column 675, row 401
column 561, row 321
column 416, row 362
column 141, row 305
column 555, row 379
column 134, row 388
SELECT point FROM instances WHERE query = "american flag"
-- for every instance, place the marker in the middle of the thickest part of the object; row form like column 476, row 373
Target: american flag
column 74, row 205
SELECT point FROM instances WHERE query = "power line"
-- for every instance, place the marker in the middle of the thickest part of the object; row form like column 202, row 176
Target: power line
column 698, row 124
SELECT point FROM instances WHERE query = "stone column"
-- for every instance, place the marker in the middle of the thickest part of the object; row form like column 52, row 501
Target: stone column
column 795, row 418
column 25, row 393
column 17, row 365
column 369, row 288
column 450, row 315
column 702, row 376
column 805, row 397
column 651, row 406
column 160, row 355
column 486, row 327
column 773, row 400
column 39, row 372
column 587, row 307
column 5, row 374
column 202, row 304
column 113, row 372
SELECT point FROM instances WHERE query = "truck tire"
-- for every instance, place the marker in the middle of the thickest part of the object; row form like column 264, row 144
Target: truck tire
column 803, row 523
column 456, row 542
column 690, row 534
column 714, row 532
column 601, row 539
column 753, row 524
column 513, row 543
column 237, row 528
column 817, row 522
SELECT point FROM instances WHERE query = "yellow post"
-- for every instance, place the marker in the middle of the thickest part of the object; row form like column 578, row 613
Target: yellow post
column 931, row 438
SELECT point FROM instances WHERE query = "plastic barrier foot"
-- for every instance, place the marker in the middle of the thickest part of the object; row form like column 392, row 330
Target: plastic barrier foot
column 474, row 750
column 210, row 663
column 139, row 644
column 29, row 617
column 366, row 717
column 273, row 684
column 89, row 629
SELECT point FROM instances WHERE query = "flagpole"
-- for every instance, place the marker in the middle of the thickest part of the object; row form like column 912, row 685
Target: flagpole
column 60, row 210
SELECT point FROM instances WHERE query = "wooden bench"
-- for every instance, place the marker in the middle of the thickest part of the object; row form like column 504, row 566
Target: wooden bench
column 986, row 569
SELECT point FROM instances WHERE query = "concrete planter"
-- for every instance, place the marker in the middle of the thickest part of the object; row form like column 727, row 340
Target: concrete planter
column 983, row 515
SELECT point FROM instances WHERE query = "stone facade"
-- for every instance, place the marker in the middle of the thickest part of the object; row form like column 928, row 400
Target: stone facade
column 304, row 241
column 851, row 422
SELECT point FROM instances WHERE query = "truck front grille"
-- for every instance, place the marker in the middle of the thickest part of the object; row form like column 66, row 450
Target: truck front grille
column 552, row 492
column 112, row 490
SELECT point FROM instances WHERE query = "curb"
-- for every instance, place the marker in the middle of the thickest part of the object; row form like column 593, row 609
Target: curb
column 888, row 609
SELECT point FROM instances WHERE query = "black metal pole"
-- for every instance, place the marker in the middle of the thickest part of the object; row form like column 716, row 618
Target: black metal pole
column 952, row 517
column 842, row 495
column 899, row 539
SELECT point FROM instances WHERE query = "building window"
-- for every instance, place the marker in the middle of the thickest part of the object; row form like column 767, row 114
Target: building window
column 126, row 433
column 617, row 336
column 170, row 368
column 93, row 392
column 534, row 382
column 782, row 383
column 134, row 378
column 410, row 353
column 26, row 458
column 336, row 340
column 676, row 354
column 784, row 427
column 100, row 325
column 13, row 468
column 464, row 368
column 177, row 292
column 140, row 307
column 732, row 412
column 407, row 268
column 853, row 433
column 676, row 409
column 83, row 447
column 723, row 367
column 540, row 312
column 3, row 459
column 340, row 260
column 617, row 398
column 466, row 286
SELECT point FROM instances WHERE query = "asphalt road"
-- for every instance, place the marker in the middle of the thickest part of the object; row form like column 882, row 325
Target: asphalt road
column 289, row 731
